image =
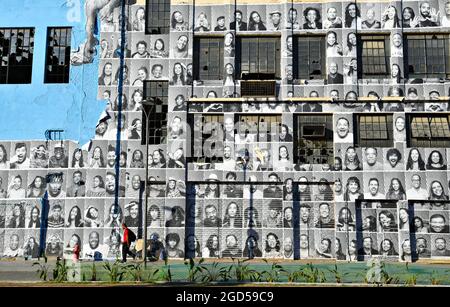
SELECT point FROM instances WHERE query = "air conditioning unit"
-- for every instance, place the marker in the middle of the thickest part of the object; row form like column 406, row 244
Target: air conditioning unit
column 258, row 88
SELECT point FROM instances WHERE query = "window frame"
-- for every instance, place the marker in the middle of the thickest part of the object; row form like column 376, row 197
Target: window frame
column 326, row 141
column 30, row 47
column 273, row 137
column 157, row 26
column 68, row 38
column 296, row 56
column 430, row 141
column 361, row 58
column 198, row 58
column 380, row 141
column 158, row 116
column 199, row 137
column 260, row 75
column 426, row 37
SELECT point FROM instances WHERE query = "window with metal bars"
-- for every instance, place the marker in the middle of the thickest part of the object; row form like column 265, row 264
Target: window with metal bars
column 57, row 65
column 157, row 120
column 373, row 56
column 258, row 128
column 207, row 142
column 428, row 130
column 208, row 58
column 259, row 58
column 313, row 139
column 374, row 131
column 157, row 17
column 428, row 55
column 16, row 55
column 309, row 55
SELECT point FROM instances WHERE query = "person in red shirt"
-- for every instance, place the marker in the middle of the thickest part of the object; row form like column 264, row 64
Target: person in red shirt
column 126, row 242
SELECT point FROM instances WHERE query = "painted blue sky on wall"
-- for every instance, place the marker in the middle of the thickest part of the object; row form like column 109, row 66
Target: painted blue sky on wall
column 27, row 111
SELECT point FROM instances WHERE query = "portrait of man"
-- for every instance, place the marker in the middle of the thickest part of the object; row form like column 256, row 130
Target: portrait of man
column 211, row 218
column 374, row 187
column 110, row 185
column 59, row 158
column 416, row 191
column 55, row 186
column 440, row 248
column 220, row 24
column 93, row 249
column 334, row 77
column 275, row 20
column 238, row 24
column 342, row 131
column 78, row 187
column 371, row 162
column 20, row 160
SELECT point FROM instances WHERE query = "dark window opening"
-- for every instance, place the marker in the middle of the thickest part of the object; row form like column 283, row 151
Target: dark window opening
column 207, row 142
column 259, row 58
column 16, row 55
column 428, row 130
column 313, row 139
column 309, row 57
column 157, row 17
column 157, row 120
column 374, row 131
column 373, row 56
column 258, row 128
column 208, row 59
column 57, row 65
column 428, row 56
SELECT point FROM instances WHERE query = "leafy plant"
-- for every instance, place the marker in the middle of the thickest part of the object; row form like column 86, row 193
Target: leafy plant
column 212, row 273
column 42, row 270
column 411, row 279
column 338, row 276
column 93, row 272
column 377, row 273
column 152, row 275
column 312, row 274
column 294, row 276
column 272, row 275
column 434, row 279
column 166, row 274
column 61, row 270
column 243, row 272
column 115, row 271
column 135, row 271
column 195, row 269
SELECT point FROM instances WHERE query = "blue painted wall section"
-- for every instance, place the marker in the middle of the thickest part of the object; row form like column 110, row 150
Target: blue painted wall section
column 28, row 110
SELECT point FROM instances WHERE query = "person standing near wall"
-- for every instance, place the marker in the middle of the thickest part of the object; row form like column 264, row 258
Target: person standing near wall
column 128, row 237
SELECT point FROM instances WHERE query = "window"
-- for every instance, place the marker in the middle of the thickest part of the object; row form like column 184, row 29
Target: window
column 374, row 54
column 157, row 17
column 374, row 131
column 258, row 128
column 313, row 139
column 259, row 58
column 428, row 56
column 207, row 143
column 429, row 130
column 208, row 59
column 157, row 120
column 309, row 53
column 57, row 65
column 16, row 55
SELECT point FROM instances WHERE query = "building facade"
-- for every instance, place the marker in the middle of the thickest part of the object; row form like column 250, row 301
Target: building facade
column 281, row 129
